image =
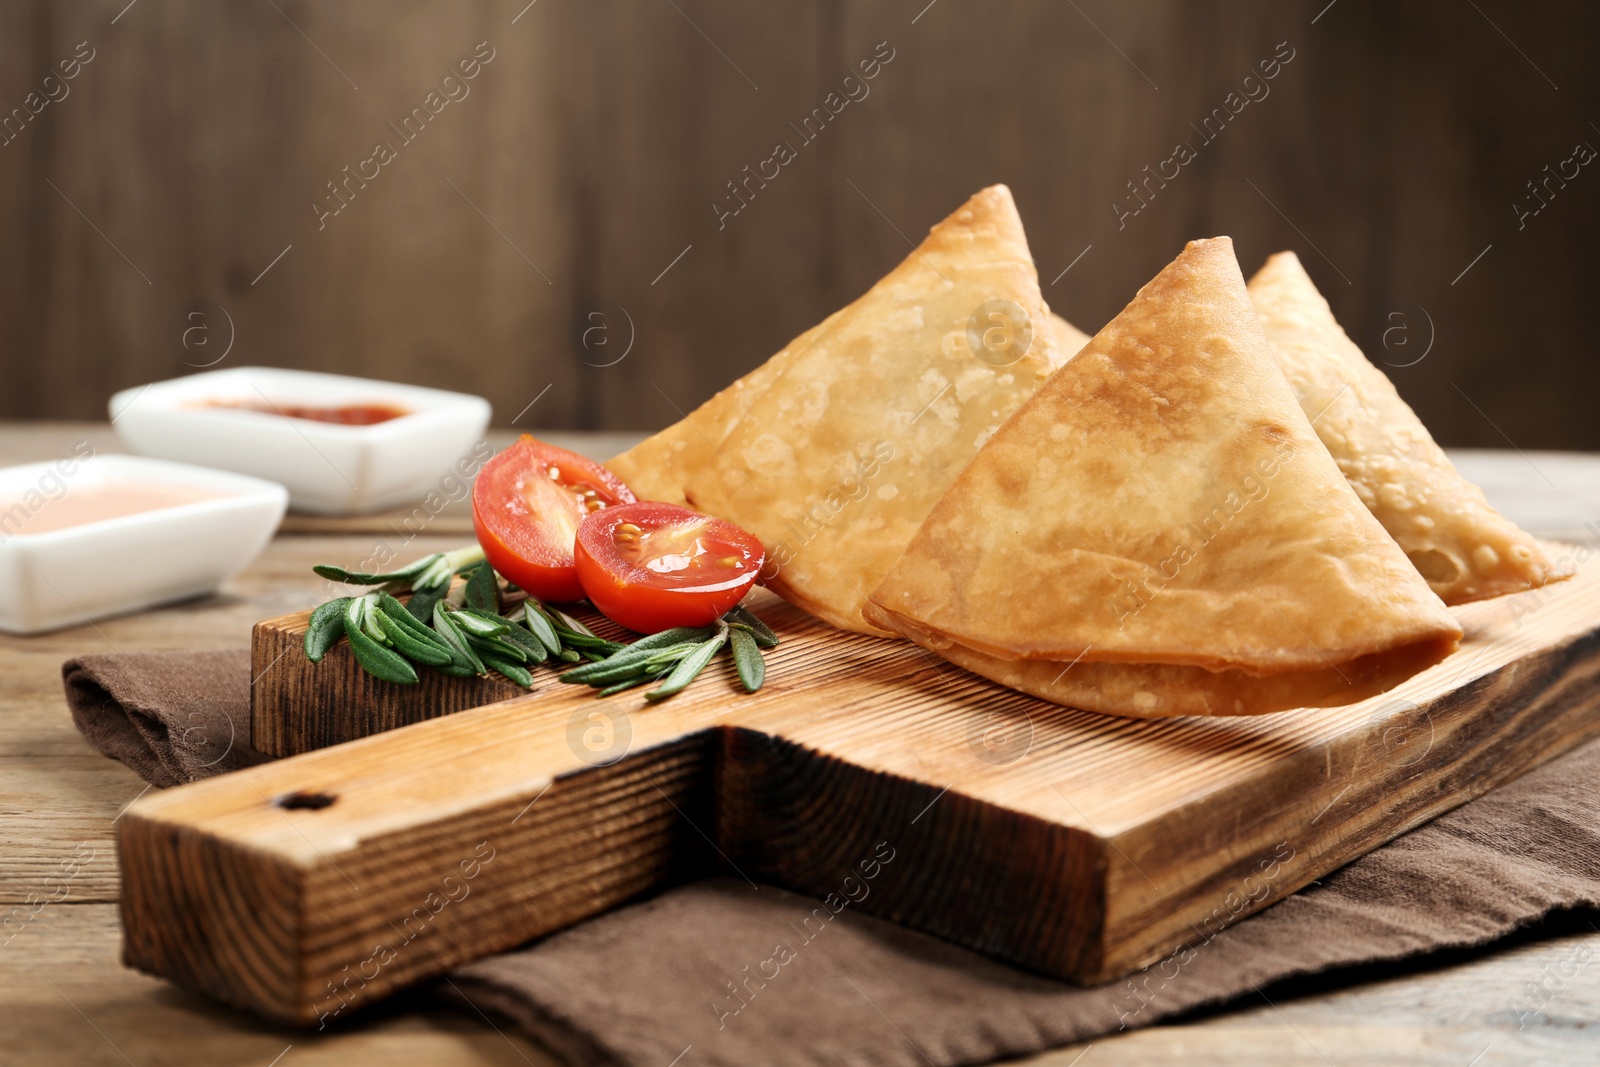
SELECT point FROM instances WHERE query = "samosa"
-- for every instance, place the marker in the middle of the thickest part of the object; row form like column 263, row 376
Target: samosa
column 1462, row 546
column 1158, row 531
column 838, row 457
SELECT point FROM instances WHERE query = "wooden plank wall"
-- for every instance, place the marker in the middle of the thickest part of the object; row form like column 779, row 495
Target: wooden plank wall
column 590, row 149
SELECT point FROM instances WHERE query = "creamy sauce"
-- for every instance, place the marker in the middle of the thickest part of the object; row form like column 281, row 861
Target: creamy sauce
column 35, row 513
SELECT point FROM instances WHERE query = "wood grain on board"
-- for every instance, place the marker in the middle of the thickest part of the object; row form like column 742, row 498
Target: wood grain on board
column 1078, row 845
column 65, row 997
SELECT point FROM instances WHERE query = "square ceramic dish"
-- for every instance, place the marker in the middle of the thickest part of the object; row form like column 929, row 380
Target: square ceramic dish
column 68, row 576
column 328, row 468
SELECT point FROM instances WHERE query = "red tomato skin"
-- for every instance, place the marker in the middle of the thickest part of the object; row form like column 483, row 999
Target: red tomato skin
column 521, row 549
column 556, row 583
column 645, row 608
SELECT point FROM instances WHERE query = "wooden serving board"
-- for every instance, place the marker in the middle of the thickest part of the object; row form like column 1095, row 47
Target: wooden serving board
column 1074, row 844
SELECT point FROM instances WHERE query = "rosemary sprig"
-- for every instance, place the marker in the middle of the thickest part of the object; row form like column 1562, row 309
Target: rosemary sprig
column 460, row 629
column 676, row 657
column 455, row 628
column 427, row 573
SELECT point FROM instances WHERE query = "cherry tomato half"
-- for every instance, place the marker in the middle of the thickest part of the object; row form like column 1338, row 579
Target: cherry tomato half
column 651, row 566
column 526, row 506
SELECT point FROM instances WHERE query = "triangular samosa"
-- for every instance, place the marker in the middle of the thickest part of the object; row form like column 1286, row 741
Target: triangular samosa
column 1158, row 531
column 1463, row 547
column 836, row 464
column 657, row 467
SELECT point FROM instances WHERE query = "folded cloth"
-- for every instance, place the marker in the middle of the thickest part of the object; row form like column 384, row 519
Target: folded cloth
column 173, row 717
column 737, row 973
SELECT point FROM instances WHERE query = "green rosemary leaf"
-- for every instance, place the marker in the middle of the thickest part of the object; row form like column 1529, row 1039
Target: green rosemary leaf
column 494, row 646
column 573, row 624
column 409, row 645
column 355, row 612
column 690, row 666
column 327, row 626
column 482, row 591
column 478, row 622
column 527, row 642
column 666, row 657
column 616, row 674
column 593, row 644
column 538, row 624
column 628, row 662
column 513, row 671
column 401, row 613
column 416, row 567
column 447, row 630
column 445, row 566
column 631, row 683
column 569, row 655
column 369, row 619
column 675, row 636
column 758, row 629
column 420, row 606
column 378, row 661
column 489, row 618
column 747, row 658
column 339, row 574
column 573, row 639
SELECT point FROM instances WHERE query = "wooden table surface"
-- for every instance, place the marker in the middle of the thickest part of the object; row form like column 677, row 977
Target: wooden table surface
column 65, row 997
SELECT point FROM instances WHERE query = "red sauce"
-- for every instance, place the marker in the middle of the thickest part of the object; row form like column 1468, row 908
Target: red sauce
column 343, row 415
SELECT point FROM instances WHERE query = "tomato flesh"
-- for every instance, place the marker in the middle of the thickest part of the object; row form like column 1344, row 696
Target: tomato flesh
column 651, row 566
column 527, row 504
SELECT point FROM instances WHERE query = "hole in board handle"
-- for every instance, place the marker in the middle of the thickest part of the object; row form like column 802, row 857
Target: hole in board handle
column 304, row 801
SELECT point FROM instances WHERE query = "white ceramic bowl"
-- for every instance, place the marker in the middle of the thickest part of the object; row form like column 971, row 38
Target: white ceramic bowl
column 70, row 576
column 329, row 469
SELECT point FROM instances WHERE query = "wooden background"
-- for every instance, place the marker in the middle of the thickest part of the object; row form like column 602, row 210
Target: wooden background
column 587, row 156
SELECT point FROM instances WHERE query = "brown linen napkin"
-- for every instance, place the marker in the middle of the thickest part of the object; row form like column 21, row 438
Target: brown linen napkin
column 703, row 966
column 173, row 717
column 732, row 974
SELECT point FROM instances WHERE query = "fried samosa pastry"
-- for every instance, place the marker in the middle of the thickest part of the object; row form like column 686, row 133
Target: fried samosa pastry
column 1158, row 531
column 837, row 463
column 1462, row 546
column 657, row 467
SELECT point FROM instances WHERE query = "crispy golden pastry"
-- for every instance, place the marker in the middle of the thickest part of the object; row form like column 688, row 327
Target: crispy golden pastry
column 1163, row 690
column 836, row 464
column 1162, row 513
column 1463, row 547
column 657, row 467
